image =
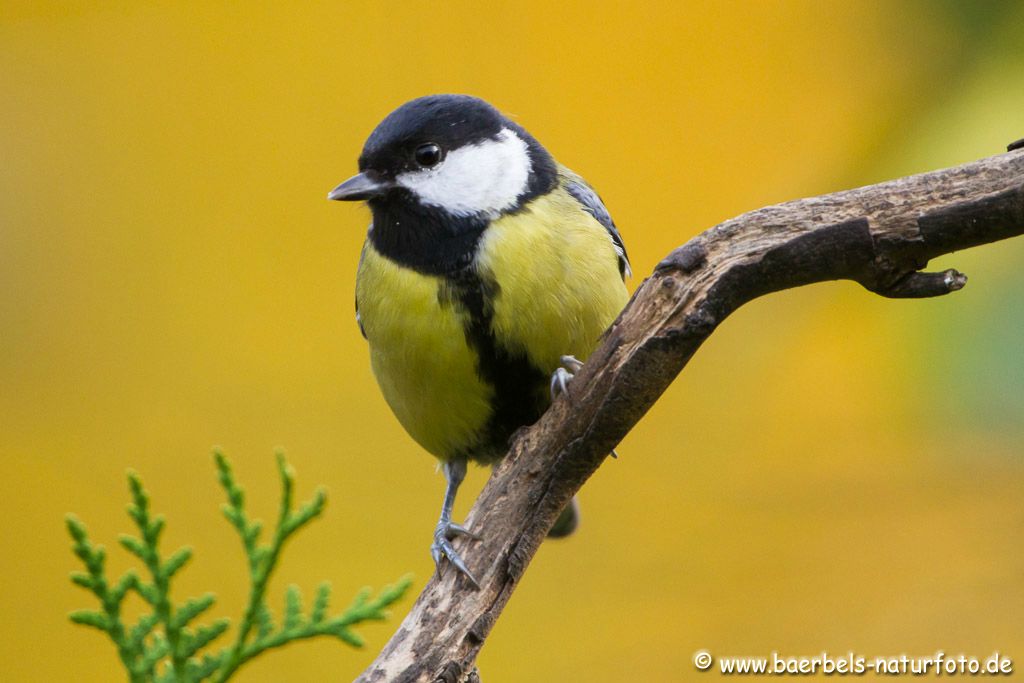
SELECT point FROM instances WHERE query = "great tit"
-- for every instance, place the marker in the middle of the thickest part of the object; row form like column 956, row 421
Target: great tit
column 487, row 271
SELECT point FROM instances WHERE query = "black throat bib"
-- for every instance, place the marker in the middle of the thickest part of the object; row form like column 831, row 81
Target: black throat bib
column 426, row 239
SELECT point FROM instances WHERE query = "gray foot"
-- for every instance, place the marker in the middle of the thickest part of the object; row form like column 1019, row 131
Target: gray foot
column 442, row 548
column 561, row 377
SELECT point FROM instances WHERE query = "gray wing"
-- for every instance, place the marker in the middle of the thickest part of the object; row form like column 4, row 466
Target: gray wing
column 592, row 204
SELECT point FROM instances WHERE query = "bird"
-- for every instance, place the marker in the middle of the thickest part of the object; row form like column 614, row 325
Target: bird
column 488, row 275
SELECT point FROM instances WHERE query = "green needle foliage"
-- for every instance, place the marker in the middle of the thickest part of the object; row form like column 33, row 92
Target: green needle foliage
column 166, row 645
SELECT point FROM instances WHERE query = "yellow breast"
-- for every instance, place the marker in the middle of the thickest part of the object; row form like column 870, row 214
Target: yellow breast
column 558, row 278
column 552, row 277
column 419, row 355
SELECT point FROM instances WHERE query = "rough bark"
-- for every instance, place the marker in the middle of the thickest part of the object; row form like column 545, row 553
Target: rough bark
column 880, row 236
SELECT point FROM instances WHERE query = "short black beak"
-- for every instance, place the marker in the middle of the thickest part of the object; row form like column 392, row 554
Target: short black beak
column 358, row 187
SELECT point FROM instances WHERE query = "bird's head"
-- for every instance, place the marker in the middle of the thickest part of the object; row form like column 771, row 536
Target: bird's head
column 450, row 153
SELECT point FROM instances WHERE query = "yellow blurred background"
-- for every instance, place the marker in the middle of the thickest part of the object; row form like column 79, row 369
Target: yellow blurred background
column 832, row 471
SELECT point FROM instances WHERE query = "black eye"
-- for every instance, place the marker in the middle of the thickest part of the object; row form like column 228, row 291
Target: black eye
column 428, row 154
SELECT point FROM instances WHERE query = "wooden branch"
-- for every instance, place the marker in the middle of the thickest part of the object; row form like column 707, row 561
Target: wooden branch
column 880, row 236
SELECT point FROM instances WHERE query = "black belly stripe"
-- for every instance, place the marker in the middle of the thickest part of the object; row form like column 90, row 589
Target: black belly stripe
column 520, row 388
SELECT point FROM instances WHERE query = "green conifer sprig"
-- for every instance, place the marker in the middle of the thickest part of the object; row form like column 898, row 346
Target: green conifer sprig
column 164, row 645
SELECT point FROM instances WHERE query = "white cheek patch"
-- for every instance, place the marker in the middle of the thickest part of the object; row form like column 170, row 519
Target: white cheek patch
column 485, row 178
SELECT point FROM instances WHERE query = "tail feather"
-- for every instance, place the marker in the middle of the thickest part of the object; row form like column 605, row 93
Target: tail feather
column 567, row 521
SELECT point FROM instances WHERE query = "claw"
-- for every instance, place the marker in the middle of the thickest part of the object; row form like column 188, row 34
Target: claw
column 572, row 363
column 560, row 382
column 459, row 530
column 443, row 548
column 561, row 377
column 435, row 552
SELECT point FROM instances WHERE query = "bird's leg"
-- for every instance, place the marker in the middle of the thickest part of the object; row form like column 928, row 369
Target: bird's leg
column 446, row 530
column 564, row 374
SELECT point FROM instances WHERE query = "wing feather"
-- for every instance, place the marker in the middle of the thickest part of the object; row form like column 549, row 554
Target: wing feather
column 583, row 193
